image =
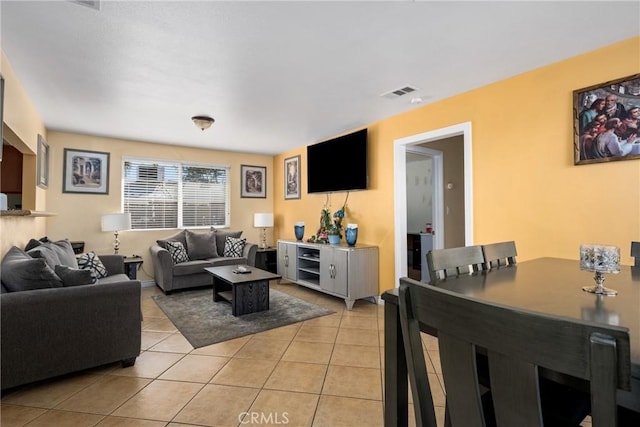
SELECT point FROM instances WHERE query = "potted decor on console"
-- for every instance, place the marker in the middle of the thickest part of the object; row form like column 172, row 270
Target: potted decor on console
column 330, row 230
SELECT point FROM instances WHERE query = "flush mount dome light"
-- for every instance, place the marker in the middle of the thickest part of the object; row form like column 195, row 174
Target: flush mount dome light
column 202, row 122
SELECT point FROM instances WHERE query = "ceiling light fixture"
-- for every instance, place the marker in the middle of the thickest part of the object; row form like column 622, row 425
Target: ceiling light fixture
column 202, row 122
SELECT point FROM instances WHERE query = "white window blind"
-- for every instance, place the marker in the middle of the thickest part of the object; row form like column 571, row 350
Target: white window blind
column 162, row 194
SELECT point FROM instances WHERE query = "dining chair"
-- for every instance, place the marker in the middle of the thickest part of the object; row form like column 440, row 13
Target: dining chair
column 516, row 343
column 443, row 263
column 635, row 253
column 499, row 254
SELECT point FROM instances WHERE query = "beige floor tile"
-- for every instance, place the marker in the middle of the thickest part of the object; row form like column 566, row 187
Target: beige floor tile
column 359, row 322
column 64, row 418
column 225, row 348
column 434, row 356
column 295, row 376
column 150, row 338
column 358, row 337
column 356, row 355
column 308, row 352
column 129, row 422
column 150, row 364
column 284, row 333
column 331, row 320
column 245, row 372
column 160, row 400
column 174, row 343
column 195, row 368
column 317, row 334
column 48, row 394
column 273, row 407
column 105, row 395
column 334, row 411
column 260, row 348
column 347, row 381
column 362, row 308
column 158, row 324
column 15, row 416
column 218, row 405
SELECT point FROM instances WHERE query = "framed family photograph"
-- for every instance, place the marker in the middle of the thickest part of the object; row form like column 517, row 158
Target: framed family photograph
column 253, row 180
column 292, row 178
column 42, row 160
column 85, row 172
column 606, row 118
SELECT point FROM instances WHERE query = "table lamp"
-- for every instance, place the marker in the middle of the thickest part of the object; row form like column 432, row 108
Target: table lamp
column 263, row 220
column 116, row 222
column 600, row 259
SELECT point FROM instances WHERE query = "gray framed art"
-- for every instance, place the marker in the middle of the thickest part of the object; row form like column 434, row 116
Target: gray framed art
column 43, row 163
column 253, row 181
column 85, row 172
column 292, row 178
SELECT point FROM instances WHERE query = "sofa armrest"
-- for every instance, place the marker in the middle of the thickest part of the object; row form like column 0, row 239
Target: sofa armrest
column 54, row 331
column 113, row 263
column 249, row 253
column 162, row 267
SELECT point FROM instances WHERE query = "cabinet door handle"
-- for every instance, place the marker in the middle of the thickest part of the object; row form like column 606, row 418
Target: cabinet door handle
column 286, row 260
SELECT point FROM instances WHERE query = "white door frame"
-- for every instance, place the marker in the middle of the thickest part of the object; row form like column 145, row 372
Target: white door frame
column 400, row 189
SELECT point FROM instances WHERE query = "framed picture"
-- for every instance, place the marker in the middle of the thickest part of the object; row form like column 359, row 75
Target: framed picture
column 606, row 118
column 85, row 172
column 292, row 178
column 253, row 181
column 43, row 163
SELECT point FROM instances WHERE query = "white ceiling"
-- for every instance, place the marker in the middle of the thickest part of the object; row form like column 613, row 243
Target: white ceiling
column 279, row 75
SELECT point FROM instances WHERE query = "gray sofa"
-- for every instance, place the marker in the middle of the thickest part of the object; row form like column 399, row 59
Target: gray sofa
column 57, row 330
column 204, row 249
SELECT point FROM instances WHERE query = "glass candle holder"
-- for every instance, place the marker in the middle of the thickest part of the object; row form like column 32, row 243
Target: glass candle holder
column 298, row 229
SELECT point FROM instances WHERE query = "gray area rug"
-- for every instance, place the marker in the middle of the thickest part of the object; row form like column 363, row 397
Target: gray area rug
column 204, row 322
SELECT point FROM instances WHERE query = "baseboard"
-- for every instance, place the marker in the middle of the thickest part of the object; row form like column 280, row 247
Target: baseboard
column 147, row 283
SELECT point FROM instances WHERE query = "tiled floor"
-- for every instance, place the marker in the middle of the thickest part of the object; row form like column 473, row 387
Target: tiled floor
column 323, row 372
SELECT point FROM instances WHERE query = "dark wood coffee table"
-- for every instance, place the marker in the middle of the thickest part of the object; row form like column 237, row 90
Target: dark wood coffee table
column 247, row 293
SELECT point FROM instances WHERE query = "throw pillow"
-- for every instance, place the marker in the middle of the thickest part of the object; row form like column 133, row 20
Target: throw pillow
column 21, row 272
column 234, row 247
column 55, row 253
column 177, row 251
column 178, row 237
column 91, row 262
column 32, row 244
column 201, row 245
column 74, row 277
column 221, row 237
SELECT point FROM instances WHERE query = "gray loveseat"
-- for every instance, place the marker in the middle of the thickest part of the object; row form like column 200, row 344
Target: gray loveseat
column 56, row 330
column 203, row 249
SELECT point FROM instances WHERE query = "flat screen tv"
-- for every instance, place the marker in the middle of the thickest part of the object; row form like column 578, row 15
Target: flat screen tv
column 339, row 164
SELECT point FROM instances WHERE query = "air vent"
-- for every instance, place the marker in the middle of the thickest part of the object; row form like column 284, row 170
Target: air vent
column 88, row 3
column 396, row 93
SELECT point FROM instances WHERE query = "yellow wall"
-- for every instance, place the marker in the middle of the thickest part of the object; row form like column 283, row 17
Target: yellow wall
column 79, row 214
column 21, row 126
column 525, row 185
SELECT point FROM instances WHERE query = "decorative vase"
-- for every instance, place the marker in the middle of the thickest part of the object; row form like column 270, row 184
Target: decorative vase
column 334, row 239
column 351, row 234
column 298, row 228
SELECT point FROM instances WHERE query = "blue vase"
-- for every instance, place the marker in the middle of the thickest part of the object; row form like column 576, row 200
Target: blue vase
column 299, row 230
column 334, row 239
column 351, row 235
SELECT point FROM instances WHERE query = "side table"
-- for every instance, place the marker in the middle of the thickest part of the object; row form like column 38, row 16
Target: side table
column 131, row 266
column 267, row 259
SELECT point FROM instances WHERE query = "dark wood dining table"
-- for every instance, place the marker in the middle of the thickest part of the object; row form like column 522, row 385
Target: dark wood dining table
column 549, row 285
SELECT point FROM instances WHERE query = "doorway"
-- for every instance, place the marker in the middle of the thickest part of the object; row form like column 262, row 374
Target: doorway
column 420, row 142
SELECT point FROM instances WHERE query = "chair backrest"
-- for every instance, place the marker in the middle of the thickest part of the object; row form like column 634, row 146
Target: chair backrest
column 499, row 254
column 454, row 261
column 635, row 253
column 517, row 342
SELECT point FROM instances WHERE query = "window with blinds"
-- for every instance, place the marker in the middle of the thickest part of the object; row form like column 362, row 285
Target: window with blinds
column 161, row 194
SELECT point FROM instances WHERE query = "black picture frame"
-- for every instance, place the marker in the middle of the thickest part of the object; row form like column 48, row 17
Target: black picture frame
column 292, row 178
column 253, row 181
column 85, row 172
column 596, row 110
column 42, row 159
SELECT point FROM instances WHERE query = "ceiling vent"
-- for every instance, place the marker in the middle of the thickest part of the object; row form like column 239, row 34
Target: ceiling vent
column 92, row 4
column 397, row 93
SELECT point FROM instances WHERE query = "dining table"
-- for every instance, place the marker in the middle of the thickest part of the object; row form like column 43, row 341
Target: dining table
column 547, row 285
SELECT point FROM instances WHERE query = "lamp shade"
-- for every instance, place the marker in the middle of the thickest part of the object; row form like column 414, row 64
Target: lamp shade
column 116, row 222
column 263, row 220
